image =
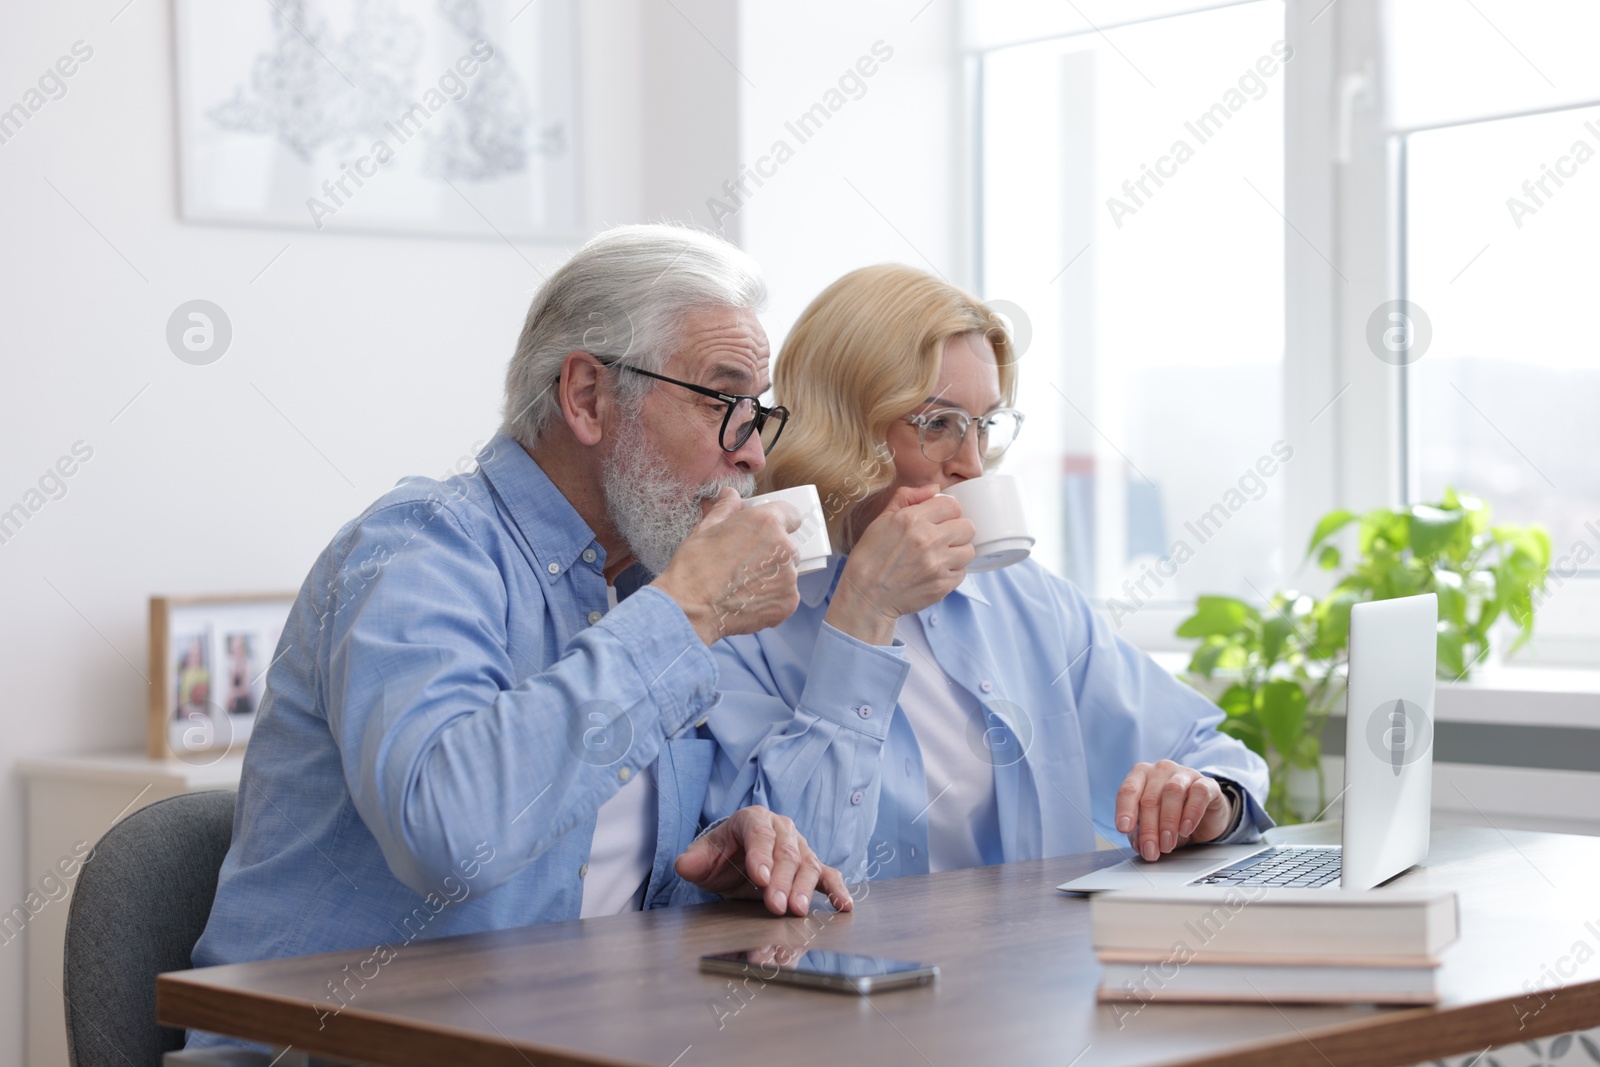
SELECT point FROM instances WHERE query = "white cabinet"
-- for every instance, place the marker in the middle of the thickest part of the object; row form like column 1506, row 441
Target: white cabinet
column 72, row 802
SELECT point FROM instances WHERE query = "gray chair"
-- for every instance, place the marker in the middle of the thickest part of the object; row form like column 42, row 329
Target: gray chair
column 140, row 905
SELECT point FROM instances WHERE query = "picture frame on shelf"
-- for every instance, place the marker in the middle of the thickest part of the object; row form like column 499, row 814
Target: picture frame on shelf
column 209, row 657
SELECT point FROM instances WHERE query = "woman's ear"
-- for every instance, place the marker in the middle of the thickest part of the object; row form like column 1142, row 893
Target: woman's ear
column 584, row 395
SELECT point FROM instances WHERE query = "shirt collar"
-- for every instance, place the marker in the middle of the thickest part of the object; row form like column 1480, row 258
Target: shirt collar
column 552, row 526
column 818, row 585
column 969, row 589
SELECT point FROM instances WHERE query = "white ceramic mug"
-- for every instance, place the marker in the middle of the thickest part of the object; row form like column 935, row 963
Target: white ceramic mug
column 994, row 504
column 811, row 539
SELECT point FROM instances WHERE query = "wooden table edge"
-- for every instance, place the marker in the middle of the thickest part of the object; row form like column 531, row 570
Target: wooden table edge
column 1414, row 1035
column 1391, row 1039
column 353, row 1034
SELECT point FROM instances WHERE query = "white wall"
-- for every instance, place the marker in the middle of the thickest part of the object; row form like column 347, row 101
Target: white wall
column 383, row 354
column 883, row 180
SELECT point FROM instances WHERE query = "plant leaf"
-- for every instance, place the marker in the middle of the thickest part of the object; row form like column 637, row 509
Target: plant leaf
column 1282, row 705
column 1328, row 525
column 1534, row 541
column 1477, row 512
column 1221, row 615
column 1452, row 595
column 1250, row 734
column 1452, row 655
column 1433, row 529
column 1237, row 700
column 1206, row 656
column 1234, row 657
column 1541, row 537
column 1329, row 557
column 1383, row 533
column 1275, row 631
column 1333, row 620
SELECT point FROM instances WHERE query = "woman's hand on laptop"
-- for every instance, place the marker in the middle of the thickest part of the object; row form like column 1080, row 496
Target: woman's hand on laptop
column 1163, row 806
column 756, row 854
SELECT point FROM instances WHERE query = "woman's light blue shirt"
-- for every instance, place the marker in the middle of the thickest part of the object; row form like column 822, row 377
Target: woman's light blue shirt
column 1069, row 708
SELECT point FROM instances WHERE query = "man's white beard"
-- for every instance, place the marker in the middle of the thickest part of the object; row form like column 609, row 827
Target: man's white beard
column 653, row 509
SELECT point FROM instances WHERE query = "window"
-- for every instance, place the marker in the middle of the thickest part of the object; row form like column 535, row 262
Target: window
column 1192, row 293
column 1508, row 388
column 1131, row 219
column 1493, row 112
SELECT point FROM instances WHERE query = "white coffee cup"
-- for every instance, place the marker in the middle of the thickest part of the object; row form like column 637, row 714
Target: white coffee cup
column 994, row 504
column 811, row 539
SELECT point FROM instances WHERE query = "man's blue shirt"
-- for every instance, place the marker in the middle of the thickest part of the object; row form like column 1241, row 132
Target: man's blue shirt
column 450, row 704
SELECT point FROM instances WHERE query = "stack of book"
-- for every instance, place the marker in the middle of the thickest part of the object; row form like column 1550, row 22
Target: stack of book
column 1215, row 943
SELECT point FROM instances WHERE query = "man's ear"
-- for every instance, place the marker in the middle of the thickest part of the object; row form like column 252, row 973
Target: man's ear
column 585, row 396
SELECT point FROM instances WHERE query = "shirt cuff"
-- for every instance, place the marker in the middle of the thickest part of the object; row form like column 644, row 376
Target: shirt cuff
column 852, row 684
column 678, row 670
column 1248, row 818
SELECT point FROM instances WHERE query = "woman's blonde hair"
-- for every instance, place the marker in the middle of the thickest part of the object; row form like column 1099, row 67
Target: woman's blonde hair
column 863, row 354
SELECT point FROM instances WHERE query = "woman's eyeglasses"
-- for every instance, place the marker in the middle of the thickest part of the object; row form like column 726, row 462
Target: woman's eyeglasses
column 942, row 432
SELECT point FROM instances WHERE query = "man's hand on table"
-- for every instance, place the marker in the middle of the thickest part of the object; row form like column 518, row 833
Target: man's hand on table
column 756, row 854
column 1163, row 806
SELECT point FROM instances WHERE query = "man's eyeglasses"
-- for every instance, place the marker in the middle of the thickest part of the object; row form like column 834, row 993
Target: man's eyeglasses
column 745, row 415
column 941, row 432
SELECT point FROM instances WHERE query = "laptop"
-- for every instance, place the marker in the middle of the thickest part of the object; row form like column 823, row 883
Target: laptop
column 1388, row 776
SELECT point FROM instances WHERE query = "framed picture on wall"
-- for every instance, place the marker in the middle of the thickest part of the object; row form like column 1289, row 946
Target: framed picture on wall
column 406, row 116
column 208, row 667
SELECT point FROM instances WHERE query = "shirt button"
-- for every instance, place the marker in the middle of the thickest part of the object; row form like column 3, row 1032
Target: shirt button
column 986, row 685
column 625, row 774
column 913, row 851
column 583, row 872
column 594, row 617
column 865, row 711
column 908, row 768
column 588, row 555
column 857, row 797
column 933, row 619
column 554, row 568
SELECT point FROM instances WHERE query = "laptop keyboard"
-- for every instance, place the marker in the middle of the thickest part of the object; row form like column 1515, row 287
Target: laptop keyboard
column 1295, row 868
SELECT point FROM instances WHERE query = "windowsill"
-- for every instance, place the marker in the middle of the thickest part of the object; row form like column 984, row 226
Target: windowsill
column 1526, row 696
column 1514, row 695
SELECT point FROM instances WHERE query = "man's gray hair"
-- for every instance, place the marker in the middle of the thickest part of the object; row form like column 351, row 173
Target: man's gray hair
column 622, row 297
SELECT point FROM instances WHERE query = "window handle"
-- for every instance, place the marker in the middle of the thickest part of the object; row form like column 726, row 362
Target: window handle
column 1355, row 88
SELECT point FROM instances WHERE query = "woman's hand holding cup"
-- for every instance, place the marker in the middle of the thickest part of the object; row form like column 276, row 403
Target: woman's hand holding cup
column 912, row 555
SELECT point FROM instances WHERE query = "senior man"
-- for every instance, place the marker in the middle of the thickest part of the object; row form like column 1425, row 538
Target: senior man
column 480, row 715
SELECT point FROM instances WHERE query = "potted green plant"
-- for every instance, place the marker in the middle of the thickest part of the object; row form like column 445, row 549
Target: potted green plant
column 1277, row 672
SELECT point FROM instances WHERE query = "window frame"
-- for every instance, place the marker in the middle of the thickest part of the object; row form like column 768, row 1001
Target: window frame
column 1571, row 635
column 1344, row 254
column 1309, row 483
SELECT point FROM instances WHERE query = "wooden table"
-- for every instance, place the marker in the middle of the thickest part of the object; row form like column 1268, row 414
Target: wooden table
column 1017, row 987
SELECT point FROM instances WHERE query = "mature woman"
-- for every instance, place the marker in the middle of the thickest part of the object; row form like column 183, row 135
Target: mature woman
column 997, row 718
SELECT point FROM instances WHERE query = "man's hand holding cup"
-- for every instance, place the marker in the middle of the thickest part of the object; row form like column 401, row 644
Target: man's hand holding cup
column 735, row 572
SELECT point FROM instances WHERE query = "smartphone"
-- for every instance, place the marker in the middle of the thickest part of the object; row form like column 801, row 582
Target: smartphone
column 839, row 972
